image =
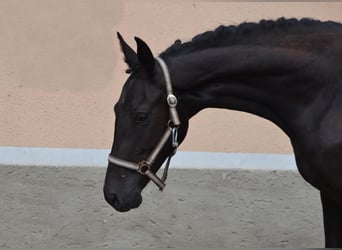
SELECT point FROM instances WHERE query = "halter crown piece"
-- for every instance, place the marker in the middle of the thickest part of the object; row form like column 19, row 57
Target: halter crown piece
column 144, row 167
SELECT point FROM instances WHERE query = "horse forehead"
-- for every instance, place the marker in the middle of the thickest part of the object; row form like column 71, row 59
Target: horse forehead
column 138, row 91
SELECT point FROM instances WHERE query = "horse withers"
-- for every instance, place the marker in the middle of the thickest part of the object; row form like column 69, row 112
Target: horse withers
column 288, row 71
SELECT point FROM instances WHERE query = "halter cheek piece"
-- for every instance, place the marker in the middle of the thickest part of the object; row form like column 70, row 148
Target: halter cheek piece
column 144, row 167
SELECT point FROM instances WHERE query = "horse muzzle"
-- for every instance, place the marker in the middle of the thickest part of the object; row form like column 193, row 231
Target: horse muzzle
column 123, row 203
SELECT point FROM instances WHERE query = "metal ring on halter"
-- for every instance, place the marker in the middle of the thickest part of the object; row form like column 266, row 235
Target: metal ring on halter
column 143, row 167
column 171, row 100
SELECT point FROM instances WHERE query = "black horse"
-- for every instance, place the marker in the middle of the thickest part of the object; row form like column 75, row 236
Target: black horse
column 288, row 71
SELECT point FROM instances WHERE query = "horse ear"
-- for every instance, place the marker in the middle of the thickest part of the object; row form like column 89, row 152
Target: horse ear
column 145, row 55
column 130, row 56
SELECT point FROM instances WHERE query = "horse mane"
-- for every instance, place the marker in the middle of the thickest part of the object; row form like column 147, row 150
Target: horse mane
column 230, row 35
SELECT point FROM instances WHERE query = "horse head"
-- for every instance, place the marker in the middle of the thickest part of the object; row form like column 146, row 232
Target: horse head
column 143, row 114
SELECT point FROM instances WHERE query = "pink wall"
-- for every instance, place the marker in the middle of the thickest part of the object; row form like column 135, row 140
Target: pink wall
column 61, row 69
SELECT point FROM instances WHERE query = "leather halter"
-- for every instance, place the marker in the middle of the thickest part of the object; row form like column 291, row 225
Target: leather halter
column 144, row 167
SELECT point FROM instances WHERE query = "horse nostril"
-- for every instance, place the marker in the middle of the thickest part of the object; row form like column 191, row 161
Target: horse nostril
column 113, row 200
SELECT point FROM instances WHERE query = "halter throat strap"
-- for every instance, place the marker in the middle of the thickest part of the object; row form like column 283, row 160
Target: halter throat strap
column 144, row 167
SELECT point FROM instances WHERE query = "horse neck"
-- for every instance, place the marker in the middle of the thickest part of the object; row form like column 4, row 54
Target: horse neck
column 269, row 82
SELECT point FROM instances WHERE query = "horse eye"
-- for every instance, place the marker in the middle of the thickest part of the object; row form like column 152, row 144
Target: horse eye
column 141, row 117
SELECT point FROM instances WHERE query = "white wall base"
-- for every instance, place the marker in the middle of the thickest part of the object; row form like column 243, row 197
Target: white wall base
column 71, row 157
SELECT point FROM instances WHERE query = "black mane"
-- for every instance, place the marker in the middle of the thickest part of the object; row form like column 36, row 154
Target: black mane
column 228, row 35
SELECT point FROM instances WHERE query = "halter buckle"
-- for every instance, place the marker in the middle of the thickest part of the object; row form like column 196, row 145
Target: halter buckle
column 174, row 137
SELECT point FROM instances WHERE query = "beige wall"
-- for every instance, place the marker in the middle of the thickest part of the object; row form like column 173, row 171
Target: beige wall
column 61, row 69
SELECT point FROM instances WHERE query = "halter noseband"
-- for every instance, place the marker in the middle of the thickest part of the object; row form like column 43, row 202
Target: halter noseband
column 144, row 167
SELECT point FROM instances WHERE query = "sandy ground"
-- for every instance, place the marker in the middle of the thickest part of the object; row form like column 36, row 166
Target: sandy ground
column 64, row 207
